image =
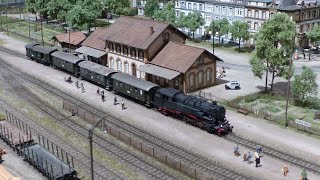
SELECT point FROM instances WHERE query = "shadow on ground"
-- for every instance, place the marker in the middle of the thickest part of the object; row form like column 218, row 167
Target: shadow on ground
column 279, row 88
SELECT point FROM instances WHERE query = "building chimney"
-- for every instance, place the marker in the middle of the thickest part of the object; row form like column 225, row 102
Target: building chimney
column 151, row 30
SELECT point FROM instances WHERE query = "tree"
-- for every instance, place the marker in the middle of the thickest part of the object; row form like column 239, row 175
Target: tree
column 274, row 50
column 167, row 14
column 240, row 30
column 84, row 13
column 194, row 21
column 181, row 21
column 151, row 7
column 221, row 26
column 37, row 6
column 314, row 36
column 304, row 86
column 117, row 6
column 58, row 9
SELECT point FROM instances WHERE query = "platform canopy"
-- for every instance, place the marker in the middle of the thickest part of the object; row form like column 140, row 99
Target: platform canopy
column 159, row 71
column 90, row 51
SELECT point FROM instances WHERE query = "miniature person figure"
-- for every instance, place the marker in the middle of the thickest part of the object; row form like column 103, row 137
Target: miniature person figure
column 122, row 104
column 259, row 149
column 115, row 101
column 98, row 91
column 73, row 113
column 303, row 175
column 77, row 84
column 285, row 170
column 245, row 158
column 249, row 158
column 102, row 97
column 236, row 150
column 82, row 85
column 256, row 155
column 2, row 152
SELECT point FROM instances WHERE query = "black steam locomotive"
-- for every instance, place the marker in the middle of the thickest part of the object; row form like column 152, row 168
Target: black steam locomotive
column 190, row 109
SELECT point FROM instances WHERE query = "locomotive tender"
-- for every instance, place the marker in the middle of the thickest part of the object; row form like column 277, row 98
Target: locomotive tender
column 193, row 110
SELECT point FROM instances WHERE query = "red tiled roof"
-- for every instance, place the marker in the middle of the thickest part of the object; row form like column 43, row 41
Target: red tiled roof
column 135, row 32
column 179, row 57
column 94, row 41
column 75, row 37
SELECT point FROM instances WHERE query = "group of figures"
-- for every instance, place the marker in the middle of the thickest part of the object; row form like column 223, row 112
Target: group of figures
column 115, row 100
column 247, row 156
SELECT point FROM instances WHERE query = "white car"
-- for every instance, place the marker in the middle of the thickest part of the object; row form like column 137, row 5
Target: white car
column 232, row 85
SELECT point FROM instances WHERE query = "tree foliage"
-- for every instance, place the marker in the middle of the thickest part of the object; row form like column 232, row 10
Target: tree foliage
column 221, row 26
column 304, row 86
column 240, row 31
column 167, row 14
column 151, row 7
column 181, row 20
column 274, row 50
column 314, row 34
column 194, row 21
column 117, row 6
column 84, row 13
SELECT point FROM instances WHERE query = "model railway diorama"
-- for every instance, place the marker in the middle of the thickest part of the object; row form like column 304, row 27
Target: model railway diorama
column 198, row 112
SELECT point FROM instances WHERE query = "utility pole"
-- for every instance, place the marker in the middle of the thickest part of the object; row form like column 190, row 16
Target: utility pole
column 7, row 18
column 41, row 30
column 91, row 148
column 69, row 40
column 288, row 94
column 29, row 27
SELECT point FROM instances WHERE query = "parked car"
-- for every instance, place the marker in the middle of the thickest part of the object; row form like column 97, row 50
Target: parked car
column 233, row 85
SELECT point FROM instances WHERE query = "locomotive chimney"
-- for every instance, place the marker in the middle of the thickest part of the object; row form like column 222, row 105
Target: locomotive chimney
column 151, row 30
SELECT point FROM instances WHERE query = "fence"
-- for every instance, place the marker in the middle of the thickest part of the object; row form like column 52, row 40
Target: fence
column 210, row 97
column 160, row 155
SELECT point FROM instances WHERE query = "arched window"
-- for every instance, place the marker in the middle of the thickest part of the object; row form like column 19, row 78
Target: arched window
column 194, row 6
column 191, row 80
column 134, row 70
column 126, row 67
column 200, row 77
column 111, row 63
column 209, row 74
column 119, row 65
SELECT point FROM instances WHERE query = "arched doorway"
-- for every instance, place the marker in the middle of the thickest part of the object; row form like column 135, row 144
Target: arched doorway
column 134, row 70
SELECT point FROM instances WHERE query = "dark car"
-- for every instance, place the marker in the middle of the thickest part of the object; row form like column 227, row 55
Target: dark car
column 66, row 62
column 42, row 54
column 133, row 87
column 96, row 73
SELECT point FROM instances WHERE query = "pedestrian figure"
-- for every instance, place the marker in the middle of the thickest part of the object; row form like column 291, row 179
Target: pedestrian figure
column 73, row 113
column 304, row 55
column 259, row 149
column 304, row 175
column 102, row 97
column 245, row 158
column 102, row 92
column 122, row 104
column 115, row 101
column 2, row 152
column 82, row 85
column 98, row 91
column 77, row 84
column 249, row 158
column 236, row 150
column 256, row 155
column 285, row 170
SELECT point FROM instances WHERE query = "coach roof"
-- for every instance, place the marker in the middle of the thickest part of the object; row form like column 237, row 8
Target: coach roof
column 44, row 50
column 133, row 81
column 96, row 68
column 66, row 57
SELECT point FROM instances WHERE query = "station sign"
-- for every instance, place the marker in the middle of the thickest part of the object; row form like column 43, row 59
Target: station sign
column 303, row 123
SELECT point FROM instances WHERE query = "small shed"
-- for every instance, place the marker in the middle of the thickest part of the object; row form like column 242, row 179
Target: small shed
column 69, row 39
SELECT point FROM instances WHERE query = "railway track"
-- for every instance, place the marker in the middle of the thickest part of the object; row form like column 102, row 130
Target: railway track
column 81, row 159
column 106, row 145
column 296, row 161
column 197, row 161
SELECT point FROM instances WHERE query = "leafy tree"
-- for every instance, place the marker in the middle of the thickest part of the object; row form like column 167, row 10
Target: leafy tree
column 194, row 21
column 221, row 26
column 181, row 21
column 304, row 86
column 117, row 6
column 84, row 13
column 240, row 30
column 38, row 6
column 58, row 9
column 151, row 7
column 314, row 36
column 274, row 50
column 167, row 14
